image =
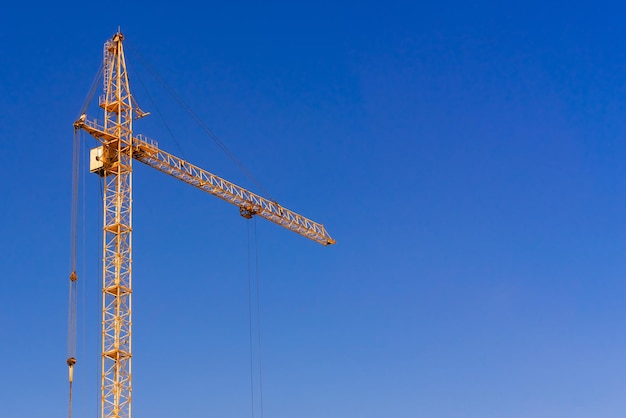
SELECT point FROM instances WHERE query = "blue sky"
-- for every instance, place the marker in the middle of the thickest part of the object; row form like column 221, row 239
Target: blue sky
column 467, row 158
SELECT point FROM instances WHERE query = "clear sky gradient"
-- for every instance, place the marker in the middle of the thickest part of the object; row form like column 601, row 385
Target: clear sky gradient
column 469, row 159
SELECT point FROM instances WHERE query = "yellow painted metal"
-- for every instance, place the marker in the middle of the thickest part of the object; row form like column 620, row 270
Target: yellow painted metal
column 113, row 161
column 116, row 159
column 117, row 235
column 147, row 151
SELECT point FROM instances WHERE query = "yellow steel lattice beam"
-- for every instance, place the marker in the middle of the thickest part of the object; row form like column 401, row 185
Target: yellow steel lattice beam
column 115, row 156
column 249, row 203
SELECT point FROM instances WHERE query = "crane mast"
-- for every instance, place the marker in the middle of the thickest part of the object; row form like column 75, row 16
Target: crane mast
column 117, row 234
column 112, row 160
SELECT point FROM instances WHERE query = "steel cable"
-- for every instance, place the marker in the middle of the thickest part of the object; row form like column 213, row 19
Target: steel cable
column 72, row 297
column 156, row 108
column 250, row 323
column 92, row 90
column 258, row 315
column 196, row 118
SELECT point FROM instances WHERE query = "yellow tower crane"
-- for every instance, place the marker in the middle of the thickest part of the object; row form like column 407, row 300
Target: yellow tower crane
column 113, row 160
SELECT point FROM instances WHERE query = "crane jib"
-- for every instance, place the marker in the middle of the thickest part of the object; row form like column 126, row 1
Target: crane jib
column 148, row 152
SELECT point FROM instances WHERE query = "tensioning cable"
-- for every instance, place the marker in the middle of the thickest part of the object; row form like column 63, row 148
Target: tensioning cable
column 159, row 78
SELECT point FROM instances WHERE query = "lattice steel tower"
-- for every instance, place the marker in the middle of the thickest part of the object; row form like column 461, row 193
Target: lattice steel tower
column 113, row 160
column 117, row 170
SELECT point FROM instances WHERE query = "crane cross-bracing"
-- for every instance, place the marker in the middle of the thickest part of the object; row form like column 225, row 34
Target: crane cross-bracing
column 148, row 152
column 113, row 161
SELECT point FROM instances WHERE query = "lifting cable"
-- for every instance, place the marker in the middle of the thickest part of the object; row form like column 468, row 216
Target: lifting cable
column 159, row 78
column 73, row 288
column 258, row 316
column 73, row 292
column 71, row 321
column 98, row 382
column 83, row 250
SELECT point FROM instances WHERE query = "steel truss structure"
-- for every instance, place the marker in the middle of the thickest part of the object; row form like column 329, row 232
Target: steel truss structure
column 114, row 160
column 117, row 236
